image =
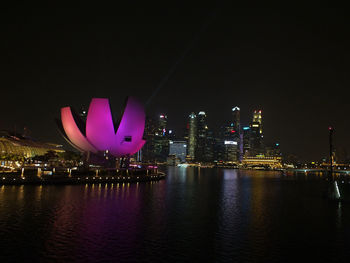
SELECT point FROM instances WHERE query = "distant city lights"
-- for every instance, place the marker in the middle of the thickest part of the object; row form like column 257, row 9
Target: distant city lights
column 235, row 108
column 231, row 142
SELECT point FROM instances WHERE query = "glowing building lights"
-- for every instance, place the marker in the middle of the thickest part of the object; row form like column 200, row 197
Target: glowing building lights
column 235, row 108
column 101, row 134
column 231, row 142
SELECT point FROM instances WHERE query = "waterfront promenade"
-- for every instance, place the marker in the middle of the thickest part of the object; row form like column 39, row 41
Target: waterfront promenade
column 69, row 176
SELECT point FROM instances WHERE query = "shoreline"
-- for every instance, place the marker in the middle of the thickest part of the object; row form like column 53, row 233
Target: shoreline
column 81, row 180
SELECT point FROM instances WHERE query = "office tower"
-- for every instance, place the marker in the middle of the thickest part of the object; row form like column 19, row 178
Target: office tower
column 230, row 140
column 256, row 134
column 236, row 126
column 209, row 147
column 236, row 120
column 192, row 136
column 273, row 150
column 161, row 141
column 179, row 149
column 246, row 140
column 148, row 153
column 226, row 145
column 202, row 143
column 156, row 147
column 257, row 119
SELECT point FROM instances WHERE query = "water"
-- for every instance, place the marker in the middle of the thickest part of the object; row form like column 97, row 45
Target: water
column 207, row 215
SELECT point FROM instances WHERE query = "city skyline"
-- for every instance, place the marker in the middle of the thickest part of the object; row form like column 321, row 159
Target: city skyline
column 174, row 132
column 289, row 62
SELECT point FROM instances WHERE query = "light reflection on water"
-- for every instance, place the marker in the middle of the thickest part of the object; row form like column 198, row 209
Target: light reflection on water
column 195, row 214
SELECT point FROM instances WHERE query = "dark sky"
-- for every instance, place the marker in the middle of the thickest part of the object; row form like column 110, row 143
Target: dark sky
column 289, row 61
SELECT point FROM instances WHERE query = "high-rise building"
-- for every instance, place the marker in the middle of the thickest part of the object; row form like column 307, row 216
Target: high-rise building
column 209, row 147
column 149, row 135
column 157, row 141
column 257, row 119
column 273, row 150
column 230, row 141
column 256, row 134
column 179, row 149
column 246, row 140
column 236, row 119
column 236, row 127
column 161, row 142
column 202, row 146
column 226, row 145
column 192, row 136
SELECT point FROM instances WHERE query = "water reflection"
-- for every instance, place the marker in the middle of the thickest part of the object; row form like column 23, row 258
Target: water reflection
column 196, row 214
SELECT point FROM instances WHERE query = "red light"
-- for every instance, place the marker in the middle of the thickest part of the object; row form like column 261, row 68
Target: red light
column 330, row 128
column 233, row 131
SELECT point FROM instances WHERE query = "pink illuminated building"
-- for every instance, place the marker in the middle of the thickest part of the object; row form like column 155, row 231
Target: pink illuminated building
column 100, row 133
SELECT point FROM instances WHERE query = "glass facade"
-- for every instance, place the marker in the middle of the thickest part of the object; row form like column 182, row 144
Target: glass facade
column 179, row 149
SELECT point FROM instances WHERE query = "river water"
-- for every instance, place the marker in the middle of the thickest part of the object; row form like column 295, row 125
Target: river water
column 194, row 215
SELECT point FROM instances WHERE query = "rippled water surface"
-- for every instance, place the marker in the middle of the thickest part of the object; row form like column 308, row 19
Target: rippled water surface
column 207, row 215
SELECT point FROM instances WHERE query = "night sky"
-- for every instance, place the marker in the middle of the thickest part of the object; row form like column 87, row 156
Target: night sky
column 288, row 61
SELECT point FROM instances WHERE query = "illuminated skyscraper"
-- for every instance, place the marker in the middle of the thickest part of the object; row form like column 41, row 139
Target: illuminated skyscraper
column 192, row 136
column 179, row 149
column 149, row 135
column 161, row 144
column 236, row 119
column 236, row 127
column 246, row 140
column 257, row 120
column 157, row 141
column 256, row 134
column 230, row 144
column 202, row 151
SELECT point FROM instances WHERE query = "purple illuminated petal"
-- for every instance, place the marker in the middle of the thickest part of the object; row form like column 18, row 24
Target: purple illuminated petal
column 72, row 131
column 131, row 127
column 99, row 125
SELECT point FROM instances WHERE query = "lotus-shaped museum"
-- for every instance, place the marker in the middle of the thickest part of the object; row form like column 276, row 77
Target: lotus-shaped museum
column 100, row 133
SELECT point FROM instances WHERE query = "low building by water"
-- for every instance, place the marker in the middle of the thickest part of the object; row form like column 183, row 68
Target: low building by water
column 274, row 162
column 21, row 146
